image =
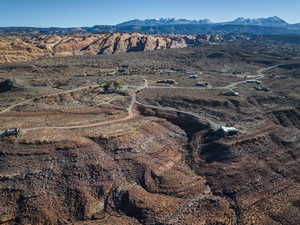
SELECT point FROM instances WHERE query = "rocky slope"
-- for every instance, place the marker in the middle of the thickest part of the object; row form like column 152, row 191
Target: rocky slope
column 124, row 177
column 29, row 48
column 151, row 171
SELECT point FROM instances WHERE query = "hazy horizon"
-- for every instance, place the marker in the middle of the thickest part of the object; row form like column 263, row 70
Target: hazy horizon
column 62, row 13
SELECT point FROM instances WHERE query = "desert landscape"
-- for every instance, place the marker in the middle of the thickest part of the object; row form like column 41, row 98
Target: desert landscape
column 137, row 129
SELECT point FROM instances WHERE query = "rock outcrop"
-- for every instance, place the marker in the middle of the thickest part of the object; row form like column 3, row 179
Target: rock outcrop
column 117, row 173
column 30, row 48
column 149, row 172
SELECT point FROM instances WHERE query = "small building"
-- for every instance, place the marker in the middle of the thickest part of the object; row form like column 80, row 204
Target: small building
column 168, row 81
column 231, row 93
column 202, row 84
column 229, row 130
column 225, row 131
column 10, row 132
column 221, row 132
column 194, row 76
column 6, row 85
column 253, row 82
column 262, row 89
column 121, row 70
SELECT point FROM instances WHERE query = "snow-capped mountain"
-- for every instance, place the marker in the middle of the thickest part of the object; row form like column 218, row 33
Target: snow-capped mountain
column 259, row 26
column 269, row 21
column 162, row 21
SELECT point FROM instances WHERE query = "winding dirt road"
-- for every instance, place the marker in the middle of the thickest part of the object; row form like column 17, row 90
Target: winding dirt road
column 260, row 75
column 130, row 109
column 54, row 94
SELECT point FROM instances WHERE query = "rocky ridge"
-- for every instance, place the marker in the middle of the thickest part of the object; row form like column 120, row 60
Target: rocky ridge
column 31, row 48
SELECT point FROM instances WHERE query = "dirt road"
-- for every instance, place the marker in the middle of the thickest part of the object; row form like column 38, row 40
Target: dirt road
column 55, row 94
column 130, row 109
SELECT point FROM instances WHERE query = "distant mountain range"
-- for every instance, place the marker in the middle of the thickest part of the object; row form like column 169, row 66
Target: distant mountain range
column 162, row 21
column 260, row 26
column 266, row 22
column 269, row 22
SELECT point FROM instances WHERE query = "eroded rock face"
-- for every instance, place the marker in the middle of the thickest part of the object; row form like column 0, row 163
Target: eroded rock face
column 156, row 173
column 29, row 48
column 135, row 178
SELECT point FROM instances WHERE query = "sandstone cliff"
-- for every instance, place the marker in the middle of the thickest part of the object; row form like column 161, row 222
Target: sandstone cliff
column 30, row 48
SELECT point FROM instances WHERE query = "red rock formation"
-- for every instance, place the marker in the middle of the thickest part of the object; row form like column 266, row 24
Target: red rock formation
column 29, row 48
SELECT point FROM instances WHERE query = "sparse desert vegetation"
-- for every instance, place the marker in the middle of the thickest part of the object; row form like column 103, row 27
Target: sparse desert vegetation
column 102, row 142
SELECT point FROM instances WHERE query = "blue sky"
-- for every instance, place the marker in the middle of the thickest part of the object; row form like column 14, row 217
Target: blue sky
column 73, row 13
